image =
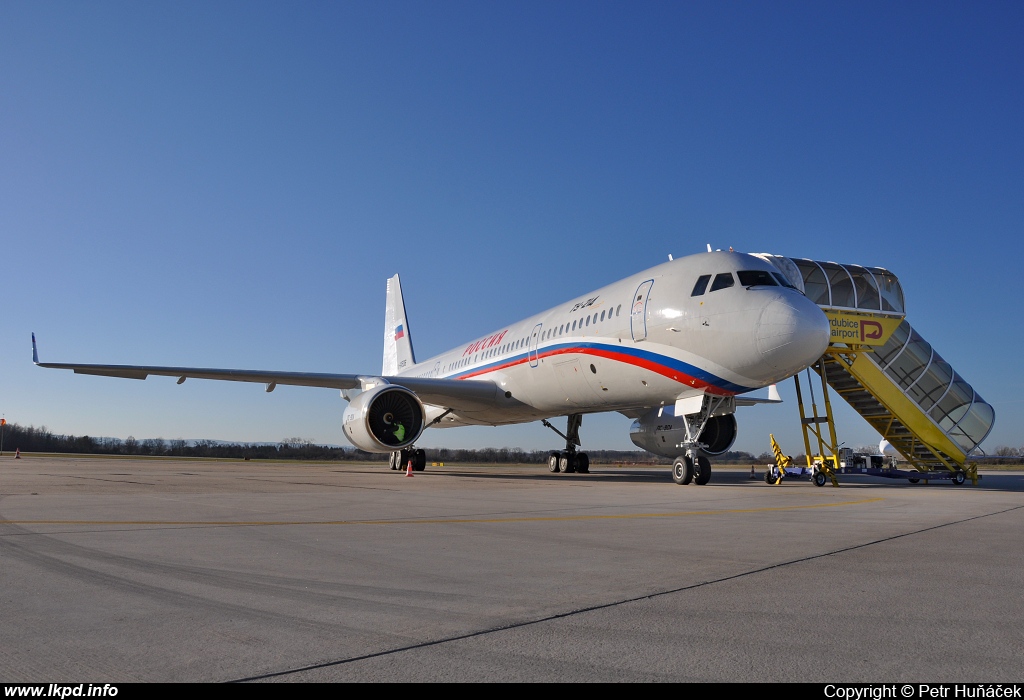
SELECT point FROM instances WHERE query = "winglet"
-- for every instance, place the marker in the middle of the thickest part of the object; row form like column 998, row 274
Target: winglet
column 35, row 352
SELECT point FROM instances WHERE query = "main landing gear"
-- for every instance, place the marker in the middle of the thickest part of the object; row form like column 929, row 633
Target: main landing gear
column 569, row 460
column 400, row 459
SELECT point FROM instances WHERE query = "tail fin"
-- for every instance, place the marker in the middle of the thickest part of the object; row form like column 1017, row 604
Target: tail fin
column 398, row 352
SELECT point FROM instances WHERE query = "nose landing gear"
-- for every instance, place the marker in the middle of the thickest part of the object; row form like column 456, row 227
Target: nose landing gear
column 693, row 465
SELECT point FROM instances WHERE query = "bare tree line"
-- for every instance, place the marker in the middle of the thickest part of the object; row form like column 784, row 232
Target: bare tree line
column 33, row 439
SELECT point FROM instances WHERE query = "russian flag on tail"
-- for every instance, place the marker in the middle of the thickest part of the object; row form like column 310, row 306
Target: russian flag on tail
column 400, row 331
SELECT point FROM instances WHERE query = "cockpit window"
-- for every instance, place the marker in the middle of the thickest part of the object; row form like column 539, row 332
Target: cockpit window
column 701, row 286
column 722, row 281
column 756, row 278
column 783, row 281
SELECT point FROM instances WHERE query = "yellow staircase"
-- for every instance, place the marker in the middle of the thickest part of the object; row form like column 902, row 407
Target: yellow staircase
column 879, row 400
column 886, row 371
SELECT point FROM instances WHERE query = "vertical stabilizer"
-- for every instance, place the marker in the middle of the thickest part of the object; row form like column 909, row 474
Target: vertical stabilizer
column 398, row 352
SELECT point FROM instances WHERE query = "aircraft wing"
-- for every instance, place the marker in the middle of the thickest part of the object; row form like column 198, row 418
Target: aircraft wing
column 449, row 393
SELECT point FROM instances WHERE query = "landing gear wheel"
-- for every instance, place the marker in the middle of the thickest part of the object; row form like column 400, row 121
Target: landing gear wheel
column 553, row 463
column 682, row 470
column 419, row 460
column 393, row 459
column 567, row 462
column 702, row 471
column 820, row 478
column 404, row 457
column 959, row 477
column 582, row 463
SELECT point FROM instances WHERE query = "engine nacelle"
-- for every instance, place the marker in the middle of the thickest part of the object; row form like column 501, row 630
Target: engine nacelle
column 385, row 418
column 661, row 434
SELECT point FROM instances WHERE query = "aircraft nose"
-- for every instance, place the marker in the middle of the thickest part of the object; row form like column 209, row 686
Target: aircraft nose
column 792, row 333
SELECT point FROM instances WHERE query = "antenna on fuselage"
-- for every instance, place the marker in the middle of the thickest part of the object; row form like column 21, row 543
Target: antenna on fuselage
column 670, row 257
column 709, row 247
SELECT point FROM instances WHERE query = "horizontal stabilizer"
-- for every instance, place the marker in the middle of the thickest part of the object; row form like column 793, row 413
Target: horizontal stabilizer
column 773, row 397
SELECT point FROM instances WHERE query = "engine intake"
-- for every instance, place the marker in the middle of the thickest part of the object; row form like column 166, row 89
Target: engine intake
column 719, row 434
column 661, row 434
column 385, row 418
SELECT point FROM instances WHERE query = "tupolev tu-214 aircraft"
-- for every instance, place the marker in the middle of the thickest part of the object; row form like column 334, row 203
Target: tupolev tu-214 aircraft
column 675, row 347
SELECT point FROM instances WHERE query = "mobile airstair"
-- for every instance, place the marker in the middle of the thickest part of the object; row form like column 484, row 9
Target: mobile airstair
column 886, row 372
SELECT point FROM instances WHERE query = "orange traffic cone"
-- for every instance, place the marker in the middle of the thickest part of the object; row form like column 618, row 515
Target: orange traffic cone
column 408, row 470
column 17, row 453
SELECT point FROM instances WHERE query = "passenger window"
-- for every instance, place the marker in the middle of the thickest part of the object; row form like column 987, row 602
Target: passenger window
column 618, row 309
column 723, row 280
column 701, row 286
column 756, row 278
column 602, row 315
column 574, row 325
column 588, row 320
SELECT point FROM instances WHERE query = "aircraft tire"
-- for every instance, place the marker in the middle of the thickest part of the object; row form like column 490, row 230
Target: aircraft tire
column 553, row 463
column 702, row 471
column 582, row 463
column 682, row 470
column 419, row 461
column 567, row 462
column 393, row 459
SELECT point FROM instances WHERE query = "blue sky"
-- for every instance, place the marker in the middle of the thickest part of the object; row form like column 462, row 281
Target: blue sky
column 230, row 185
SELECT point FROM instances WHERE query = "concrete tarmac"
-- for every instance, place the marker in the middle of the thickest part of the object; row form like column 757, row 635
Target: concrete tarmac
column 118, row 570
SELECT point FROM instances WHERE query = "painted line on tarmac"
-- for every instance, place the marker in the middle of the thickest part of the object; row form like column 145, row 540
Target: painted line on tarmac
column 605, row 606
column 440, row 521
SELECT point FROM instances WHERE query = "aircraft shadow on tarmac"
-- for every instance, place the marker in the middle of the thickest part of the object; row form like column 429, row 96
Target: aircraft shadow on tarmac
column 991, row 481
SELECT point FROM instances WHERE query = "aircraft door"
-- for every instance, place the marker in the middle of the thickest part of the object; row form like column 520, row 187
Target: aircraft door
column 638, row 311
column 534, row 343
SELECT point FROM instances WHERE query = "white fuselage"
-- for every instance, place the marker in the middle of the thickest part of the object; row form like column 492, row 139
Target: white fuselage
column 640, row 343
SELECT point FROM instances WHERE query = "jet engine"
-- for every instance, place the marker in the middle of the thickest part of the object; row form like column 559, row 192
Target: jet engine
column 661, row 434
column 385, row 418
